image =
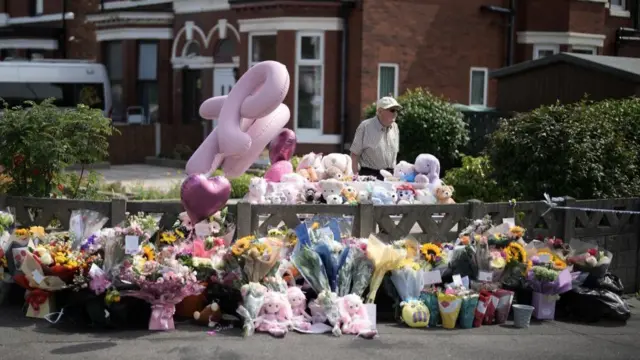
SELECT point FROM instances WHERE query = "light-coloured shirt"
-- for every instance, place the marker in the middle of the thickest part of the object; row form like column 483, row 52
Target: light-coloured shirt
column 376, row 145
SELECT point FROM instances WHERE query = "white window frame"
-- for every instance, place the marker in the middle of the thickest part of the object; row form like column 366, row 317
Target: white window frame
column 621, row 6
column 250, row 62
column 396, row 77
column 39, row 7
column 308, row 134
column 486, row 85
column 592, row 49
column 619, row 10
column 545, row 47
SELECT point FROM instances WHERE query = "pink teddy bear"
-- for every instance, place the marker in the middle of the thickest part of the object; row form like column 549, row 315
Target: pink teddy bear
column 298, row 301
column 275, row 315
column 354, row 317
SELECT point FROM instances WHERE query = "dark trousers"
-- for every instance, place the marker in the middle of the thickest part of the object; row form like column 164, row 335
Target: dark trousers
column 365, row 171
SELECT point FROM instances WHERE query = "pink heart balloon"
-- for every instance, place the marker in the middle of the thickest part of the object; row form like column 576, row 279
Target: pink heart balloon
column 283, row 146
column 203, row 197
column 275, row 172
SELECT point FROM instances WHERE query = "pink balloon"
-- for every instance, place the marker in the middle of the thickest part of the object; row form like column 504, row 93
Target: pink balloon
column 275, row 172
column 250, row 117
column 283, row 146
column 202, row 197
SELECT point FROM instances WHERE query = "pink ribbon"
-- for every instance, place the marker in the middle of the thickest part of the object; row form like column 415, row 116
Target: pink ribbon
column 163, row 313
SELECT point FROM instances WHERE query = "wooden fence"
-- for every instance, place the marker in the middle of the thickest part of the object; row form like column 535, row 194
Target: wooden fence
column 618, row 233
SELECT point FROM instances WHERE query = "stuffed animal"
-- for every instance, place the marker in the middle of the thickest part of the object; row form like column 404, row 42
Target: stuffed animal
column 354, row 317
column 340, row 161
column 415, row 313
column 309, row 162
column 277, row 198
column 406, row 194
column 253, row 296
column 334, row 173
column 309, row 174
column 403, row 171
column 257, row 191
column 364, row 196
column 298, row 301
column 426, row 197
column 428, row 170
column 294, row 178
column 382, row 196
column 311, row 193
column 444, row 194
column 350, row 195
column 209, row 316
column 330, row 187
column 275, row 315
column 334, row 199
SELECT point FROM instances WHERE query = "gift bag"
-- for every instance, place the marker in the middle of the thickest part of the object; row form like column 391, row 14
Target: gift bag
column 484, row 298
column 162, row 317
column 505, row 298
column 468, row 311
column 449, row 309
column 490, row 314
column 431, row 301
column 40, row 303
column 545, row 306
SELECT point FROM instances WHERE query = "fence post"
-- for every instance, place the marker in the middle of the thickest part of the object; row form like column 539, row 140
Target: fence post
column 365, row 221
column 118, row 211
column 476, row 210
column 3, row 202
column 244, row 219
column 568, row 220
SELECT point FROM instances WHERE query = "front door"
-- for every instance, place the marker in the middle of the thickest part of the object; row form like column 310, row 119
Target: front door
column 223, row 80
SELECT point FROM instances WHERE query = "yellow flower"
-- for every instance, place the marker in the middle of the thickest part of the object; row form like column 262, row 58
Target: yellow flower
column 37, row 231
column 168, row 238
column 3, row 262
column 559, row 264
column 498, row 262
column 22, row 233
column 148, row 252
column 315, row 226
column 516, row 231
column 241, row 245
column 292, row 239
column 179, row 233
column 515, row 252
column 430, row 251
column 71, row 264
column 529, row 266
column 408, row 263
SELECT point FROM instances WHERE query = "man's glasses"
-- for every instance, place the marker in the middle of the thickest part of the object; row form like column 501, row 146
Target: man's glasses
column 392, row 110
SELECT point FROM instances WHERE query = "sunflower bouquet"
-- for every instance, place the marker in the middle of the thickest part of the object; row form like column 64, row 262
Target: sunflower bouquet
column 516, row 264
column 251, row 259
column 434, row 257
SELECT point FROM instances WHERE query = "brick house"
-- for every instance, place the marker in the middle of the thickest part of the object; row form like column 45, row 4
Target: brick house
column 167, row 56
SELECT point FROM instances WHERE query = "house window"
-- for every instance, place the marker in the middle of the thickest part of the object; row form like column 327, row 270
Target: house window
column 540, row 51
column 309, row 81
column 114, row 65
column 618, row 4
column 35, row 7
column 148, row 78
column 478, row 86
column 262, row 47
column 387, row 80
column 588, row 50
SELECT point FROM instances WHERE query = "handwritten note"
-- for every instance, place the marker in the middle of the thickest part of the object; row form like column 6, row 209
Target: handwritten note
column 485, row 276
column 202, row 229
column 37, row 277
column 131, row 244
column 544, row 258
column 432, row 277
column 457, row 280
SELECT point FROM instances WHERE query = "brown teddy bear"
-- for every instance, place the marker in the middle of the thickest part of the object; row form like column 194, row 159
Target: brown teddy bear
column 444, row 194
column 209, row 316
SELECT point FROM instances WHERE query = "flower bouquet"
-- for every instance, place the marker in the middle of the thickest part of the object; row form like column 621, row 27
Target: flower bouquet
column 354, row 275
column 163, row 284
column 39, row 287
column 252, row 300
column 429, row 297
column 83, row 224
column 467, row 309
column 6, row 221
column 449, row 303
column 408, row 280
column 516, row 264
column 219, row 225
column 384, row 258
column 548, row 279
column 434, row 257
column 489, row 264
column 587, row 258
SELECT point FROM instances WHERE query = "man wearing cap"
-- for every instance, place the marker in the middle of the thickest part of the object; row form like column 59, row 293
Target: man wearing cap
column 377, row 140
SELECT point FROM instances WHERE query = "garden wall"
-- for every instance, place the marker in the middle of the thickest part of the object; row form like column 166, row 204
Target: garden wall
column 618, row 233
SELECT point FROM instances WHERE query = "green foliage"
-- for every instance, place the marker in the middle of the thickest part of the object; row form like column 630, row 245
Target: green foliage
column 39, row 140
column 473, row 180
column 295, row 161
column 429, row 124
column 585, row 150
column 86, row 185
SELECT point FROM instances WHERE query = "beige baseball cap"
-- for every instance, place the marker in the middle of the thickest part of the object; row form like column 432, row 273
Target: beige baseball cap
column 387, row 102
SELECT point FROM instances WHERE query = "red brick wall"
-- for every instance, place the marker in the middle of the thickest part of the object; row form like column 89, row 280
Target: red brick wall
column 81, row 38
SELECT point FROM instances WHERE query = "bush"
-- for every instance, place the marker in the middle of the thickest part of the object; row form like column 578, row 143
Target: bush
column 239, row 185
column 38, row 143
column 585, row 150
column 474, row 181
column 429, row 124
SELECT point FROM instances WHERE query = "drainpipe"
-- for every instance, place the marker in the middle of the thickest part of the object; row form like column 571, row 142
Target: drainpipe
column 64, row 29
column 511, row 26
column 345, row 11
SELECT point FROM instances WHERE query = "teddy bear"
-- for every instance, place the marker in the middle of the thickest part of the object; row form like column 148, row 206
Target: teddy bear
column 311, row 167
column 334, row 173
column 354, row 317
column 298, row 301
column 403, row 171
column 444, row 194
column 310, row 193
column 406, row 194
column 427, row 169
column 364, row 196
column 330, row 187
column 382, row 196
column 291, row 194
column 275, row 316
column 334, row 199
column 342, row 162
column 209, row 316
column 257, row 191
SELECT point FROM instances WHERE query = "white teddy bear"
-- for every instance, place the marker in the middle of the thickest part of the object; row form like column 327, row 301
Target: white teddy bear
column 331, row 187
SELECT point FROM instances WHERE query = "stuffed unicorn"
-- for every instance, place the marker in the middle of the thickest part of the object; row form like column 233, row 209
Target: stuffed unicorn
column 275, row 315
column 354, row 317
column 301, row 320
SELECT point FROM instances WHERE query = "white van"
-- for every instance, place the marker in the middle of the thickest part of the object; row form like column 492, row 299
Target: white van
column 70, row 82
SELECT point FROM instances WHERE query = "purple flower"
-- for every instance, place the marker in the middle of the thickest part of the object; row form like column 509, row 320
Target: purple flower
column 88, row 243
column 535, row 260
column 99, row 284
column 437, row 259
